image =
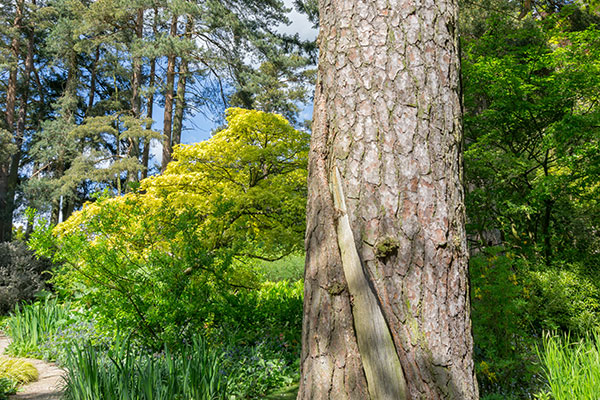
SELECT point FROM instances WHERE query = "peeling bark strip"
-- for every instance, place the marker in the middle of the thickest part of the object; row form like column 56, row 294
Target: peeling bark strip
column 387, row 116
column 380, row 361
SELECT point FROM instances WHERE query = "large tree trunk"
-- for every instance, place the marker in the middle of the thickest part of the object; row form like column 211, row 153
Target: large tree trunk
column 168, row 115
column 386, row 308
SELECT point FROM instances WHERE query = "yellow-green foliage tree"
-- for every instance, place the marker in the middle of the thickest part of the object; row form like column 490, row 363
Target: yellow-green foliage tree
column 161, row 261
column 248, row 181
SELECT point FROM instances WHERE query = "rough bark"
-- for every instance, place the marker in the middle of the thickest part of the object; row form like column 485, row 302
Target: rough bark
column 387, row 117
column 168, row 115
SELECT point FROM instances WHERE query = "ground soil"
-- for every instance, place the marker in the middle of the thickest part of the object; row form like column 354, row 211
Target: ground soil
column 47, row 387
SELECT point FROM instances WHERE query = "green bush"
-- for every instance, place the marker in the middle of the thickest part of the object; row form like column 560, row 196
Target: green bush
column 261, row 338
column 566, row 298
column 22, row 275
column 254, row 371
column 513, row 301
column 273, row 311
column 501, row 314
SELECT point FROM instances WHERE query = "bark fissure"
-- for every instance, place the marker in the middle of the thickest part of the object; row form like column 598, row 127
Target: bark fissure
column 385, row 379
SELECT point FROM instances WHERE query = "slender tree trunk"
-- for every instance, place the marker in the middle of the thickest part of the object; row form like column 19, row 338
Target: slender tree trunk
column 136, row 80
column 70, row 109
column 11, row 89
column 386, row 306
column 67, row 208
column 136, row 100
column 68, row 114
column 56, row 203
column 92, row 93
column 168, row 115
column 13, row 177
column 7, row 166
column 181, row 84
column 150, row 106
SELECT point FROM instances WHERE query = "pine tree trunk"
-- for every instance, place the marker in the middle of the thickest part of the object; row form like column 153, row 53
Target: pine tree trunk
column 181, row 84
column 168, row 115
column 150, row 106
column 93, row 72
column 11, row 89
column 150, row 103
column 13, row 177
column 6, row 166
column 386, row 307
column 136, row 80
column 136, row 99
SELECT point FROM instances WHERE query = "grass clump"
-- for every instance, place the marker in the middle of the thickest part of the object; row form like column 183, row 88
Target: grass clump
column 19, row 371
column 127, row 372
column 30, row 325
column 15, row 372
column 572, row 368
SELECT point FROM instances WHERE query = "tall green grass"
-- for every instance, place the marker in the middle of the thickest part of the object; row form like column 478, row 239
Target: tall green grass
column 125, row 373
column 571, row 368
column 29, row 325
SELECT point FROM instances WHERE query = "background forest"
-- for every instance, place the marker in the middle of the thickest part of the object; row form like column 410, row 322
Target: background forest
column 176, row 270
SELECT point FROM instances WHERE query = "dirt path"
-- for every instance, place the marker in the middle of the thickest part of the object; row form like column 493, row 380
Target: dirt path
column 47, row 387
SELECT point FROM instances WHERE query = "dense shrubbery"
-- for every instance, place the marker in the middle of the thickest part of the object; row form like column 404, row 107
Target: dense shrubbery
column 244, row 359
column 22, row 275
column 531, row 169
column 513, row 302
